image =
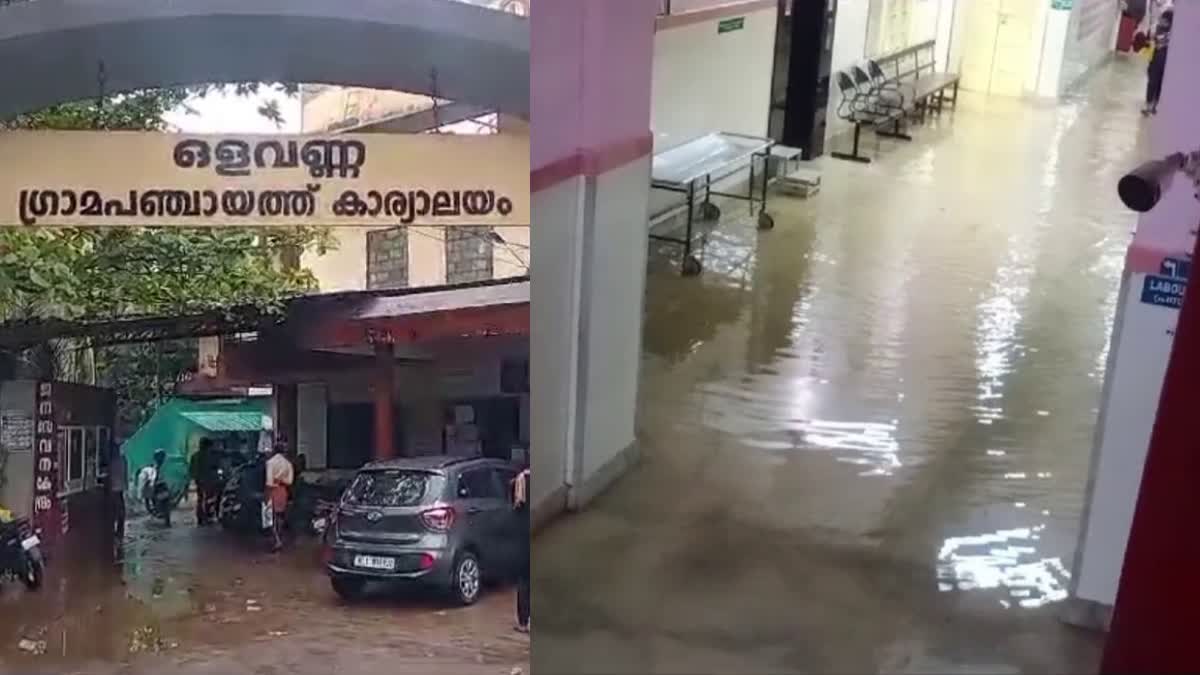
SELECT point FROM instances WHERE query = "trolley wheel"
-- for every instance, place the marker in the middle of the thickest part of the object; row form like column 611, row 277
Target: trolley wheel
column 765, row 221
column 710, row 211
column 691, row 266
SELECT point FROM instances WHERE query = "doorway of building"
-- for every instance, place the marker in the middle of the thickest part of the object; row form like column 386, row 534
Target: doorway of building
column 350, row 434
column 998, row 45
column 494, row 423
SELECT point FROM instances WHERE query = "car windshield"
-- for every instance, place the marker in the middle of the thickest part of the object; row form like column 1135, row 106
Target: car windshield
column 389, row 488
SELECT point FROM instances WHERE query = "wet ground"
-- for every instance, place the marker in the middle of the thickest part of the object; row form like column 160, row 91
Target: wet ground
column 866, row 433
column 201, row 601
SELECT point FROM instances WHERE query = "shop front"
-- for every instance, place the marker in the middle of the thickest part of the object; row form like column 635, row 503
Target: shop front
column 374, row 375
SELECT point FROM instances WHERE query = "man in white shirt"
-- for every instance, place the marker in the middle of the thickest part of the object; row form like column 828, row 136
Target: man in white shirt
column 280, row 476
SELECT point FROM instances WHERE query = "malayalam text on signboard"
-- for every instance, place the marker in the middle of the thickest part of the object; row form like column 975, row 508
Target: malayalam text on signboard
column 74, row 178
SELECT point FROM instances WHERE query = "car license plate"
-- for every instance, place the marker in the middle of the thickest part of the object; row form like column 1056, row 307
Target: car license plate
column 30, row 542
column 374, row 562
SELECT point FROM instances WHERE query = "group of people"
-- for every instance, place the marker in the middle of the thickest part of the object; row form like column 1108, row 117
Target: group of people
column 279, row 479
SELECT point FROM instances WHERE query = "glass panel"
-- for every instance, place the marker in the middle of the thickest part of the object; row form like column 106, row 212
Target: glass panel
column 89, row 451
column 389, row 488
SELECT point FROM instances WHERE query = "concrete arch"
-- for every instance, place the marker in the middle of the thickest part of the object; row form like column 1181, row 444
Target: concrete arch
column 51, row 50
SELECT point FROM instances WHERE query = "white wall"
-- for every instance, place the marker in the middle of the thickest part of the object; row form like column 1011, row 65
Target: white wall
column 1056, row 31
column 554, row 340
column 849, row 48
column 611, row 324
column 706, row 82
column 1141, row 345
column 1091, row 39
column 588, row 284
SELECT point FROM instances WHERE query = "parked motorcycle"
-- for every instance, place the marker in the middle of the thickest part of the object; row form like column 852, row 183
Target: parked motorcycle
column 21, row 553
column 159, row 500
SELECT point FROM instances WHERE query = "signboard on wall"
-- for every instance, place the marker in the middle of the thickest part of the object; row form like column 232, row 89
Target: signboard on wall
column 1166, row 288
column 78, row 178
column 47, row 512
column 730, row 25
column 16, row 431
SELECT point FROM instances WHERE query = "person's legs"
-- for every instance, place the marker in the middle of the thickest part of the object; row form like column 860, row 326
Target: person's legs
column 523, row 599
column 1154, row 79
column 201, row 516
column 277, row 529
column 119, row 518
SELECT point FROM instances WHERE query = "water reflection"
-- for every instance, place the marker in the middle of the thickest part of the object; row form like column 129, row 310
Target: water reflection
column 1007, row 561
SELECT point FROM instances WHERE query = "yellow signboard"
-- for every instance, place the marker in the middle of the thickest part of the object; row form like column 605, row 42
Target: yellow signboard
column 74, row 178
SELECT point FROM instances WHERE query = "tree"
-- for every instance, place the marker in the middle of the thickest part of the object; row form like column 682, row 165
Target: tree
column 104, row 273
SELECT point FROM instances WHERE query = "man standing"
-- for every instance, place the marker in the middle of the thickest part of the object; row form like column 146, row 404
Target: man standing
column 117, row 479
column 280, row 476
column 203, row 470
column 520, row 493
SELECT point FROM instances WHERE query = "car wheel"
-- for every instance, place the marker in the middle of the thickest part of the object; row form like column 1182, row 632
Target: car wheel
column 467, row 580
column 348, row 588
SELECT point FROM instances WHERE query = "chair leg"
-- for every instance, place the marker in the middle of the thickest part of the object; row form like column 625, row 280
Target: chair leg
column 854, row 156
column 896, row 131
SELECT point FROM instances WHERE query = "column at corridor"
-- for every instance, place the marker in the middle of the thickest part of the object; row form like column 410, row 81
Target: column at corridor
column 1157, row 596
column 590, row 168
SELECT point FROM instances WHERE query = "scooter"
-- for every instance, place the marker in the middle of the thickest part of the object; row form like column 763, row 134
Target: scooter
column 21, row 553
column 160, row 502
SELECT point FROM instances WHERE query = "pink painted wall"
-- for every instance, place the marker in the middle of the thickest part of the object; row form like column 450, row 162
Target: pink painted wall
column 590, row 70
column 1165, row 230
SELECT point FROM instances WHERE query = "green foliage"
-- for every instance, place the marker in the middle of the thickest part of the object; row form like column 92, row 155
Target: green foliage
column 143, row 375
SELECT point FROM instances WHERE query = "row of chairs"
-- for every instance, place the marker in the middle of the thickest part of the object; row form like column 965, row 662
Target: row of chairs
column 876, row 99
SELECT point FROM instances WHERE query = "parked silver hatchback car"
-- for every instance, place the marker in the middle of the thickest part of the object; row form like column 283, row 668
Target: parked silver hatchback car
column 445, row 521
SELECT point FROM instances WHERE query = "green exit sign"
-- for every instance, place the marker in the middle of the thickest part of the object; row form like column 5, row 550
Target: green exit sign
column 730, row 25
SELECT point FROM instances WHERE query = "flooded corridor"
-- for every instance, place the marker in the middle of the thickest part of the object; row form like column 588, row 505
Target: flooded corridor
column 866, row 433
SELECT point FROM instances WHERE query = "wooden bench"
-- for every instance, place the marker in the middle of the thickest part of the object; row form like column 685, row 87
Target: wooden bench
column 887, row 90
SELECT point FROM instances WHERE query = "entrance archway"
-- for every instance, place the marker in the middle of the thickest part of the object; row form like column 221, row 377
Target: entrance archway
column 54, row 48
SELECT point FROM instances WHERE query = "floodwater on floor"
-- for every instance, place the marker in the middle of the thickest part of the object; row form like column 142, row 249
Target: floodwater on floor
column 866, row 433
column 190, row 600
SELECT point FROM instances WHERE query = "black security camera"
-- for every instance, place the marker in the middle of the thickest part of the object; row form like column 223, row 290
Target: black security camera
column 1141, row 188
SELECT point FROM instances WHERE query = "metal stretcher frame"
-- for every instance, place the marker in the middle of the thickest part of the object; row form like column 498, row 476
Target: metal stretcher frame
column 696, row 164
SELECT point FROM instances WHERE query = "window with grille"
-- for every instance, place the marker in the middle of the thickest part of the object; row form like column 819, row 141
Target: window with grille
column 387, row 258
column 468, row 254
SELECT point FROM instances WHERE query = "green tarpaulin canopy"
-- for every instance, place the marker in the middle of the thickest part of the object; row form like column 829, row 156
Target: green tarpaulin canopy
column 179, row 424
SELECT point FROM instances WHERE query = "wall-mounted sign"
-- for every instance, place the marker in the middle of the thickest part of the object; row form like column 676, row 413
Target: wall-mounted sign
column 16, row 431
column 47, row 512
column 75, row 178
column 1061, row 4
column 730, row 25
column 1166, row 289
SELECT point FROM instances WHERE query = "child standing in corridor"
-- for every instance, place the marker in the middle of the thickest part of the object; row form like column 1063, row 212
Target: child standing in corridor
column 1158, row 62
